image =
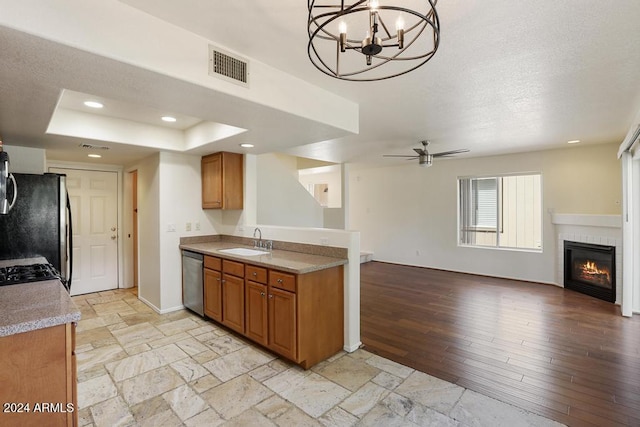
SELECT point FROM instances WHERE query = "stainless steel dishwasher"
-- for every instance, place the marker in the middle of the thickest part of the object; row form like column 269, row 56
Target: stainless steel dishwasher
column 192, row 282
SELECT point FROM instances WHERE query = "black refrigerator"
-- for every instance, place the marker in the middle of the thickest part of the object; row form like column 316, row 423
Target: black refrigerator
column 39, row 223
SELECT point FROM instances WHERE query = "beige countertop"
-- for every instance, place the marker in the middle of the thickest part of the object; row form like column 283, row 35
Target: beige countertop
column 289, row 261
column 37, row 305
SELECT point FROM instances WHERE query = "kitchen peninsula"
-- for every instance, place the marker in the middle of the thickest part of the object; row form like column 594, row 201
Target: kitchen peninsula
column 37, row 349
column 289, row 300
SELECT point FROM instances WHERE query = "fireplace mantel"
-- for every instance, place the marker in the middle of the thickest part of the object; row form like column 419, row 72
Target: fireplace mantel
column 605, row 221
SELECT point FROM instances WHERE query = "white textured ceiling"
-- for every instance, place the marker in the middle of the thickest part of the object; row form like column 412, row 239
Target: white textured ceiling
column 508, row 77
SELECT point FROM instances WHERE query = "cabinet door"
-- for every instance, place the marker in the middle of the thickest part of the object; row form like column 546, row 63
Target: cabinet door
column 282, row 323
column 233, row 302
column 213, row 294
column 256, row 312
column 232, row 180
column 35, row 369
column 212, row 181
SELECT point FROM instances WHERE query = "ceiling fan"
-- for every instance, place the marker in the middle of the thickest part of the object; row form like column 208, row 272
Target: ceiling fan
column 425, row 159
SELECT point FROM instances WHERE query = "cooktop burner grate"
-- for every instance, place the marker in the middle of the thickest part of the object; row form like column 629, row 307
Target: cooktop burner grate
column 27, row 273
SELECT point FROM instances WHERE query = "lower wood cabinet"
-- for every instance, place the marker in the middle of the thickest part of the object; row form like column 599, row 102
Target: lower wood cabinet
column 282, row 323
column 256, row 309
column 233, row 302
column 213, row 294
column 38, row 368
column 298, row 316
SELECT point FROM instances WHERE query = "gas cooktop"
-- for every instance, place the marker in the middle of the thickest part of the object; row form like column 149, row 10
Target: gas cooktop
column 27, row 273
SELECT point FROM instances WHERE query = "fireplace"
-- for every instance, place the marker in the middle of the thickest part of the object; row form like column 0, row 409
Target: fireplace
column 590, row 269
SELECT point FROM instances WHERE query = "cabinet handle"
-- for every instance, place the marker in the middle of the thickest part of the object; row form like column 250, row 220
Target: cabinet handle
column 270, row 296
column 255, row 273
column 261, row 294
column 223, row 281
column 279, row 280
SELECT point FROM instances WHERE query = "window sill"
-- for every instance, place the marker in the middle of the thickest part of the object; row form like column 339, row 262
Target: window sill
column 496, row 248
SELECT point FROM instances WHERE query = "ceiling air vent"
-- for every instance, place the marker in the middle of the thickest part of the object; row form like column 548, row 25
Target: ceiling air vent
column 93, row 147
column 227, row 66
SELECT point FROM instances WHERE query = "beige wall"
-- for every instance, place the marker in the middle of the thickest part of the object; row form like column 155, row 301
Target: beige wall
column 26, row 159
column 408, row 214
column 281, row 199
column 149, row 224
column 329, row 175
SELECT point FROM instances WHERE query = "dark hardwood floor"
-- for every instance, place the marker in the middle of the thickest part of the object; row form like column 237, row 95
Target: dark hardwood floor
column 555, row 352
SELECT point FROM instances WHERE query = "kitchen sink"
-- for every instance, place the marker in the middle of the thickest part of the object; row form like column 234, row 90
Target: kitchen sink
column 243, row 251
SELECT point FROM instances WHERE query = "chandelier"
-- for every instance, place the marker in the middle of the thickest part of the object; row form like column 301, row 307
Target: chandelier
column 357, row 41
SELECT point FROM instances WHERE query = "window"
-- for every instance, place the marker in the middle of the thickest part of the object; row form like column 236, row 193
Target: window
column 501, row 211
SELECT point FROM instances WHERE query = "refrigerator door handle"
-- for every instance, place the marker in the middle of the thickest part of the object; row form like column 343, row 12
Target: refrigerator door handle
column 15, row 191
column 70, row 246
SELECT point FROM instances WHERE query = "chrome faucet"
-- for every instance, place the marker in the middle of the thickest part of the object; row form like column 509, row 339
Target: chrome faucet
column 268, row 244
column 257, row 243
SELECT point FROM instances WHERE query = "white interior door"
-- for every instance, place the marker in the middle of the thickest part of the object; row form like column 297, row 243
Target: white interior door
column 94, row 211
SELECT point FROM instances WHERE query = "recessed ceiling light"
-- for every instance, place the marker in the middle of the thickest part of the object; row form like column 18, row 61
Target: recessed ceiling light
column 95, row 156
column 93, row 104
column 168, row 119
column 246, row 145
column 573, row 141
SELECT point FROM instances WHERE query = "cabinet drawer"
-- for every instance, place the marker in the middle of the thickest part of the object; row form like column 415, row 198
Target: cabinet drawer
column 256, row 274
column 233, row 268
column 212, row 263
column 281, row 280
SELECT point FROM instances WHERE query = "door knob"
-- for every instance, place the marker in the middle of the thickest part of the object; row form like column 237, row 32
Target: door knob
column 113, row 229
column 113, row 237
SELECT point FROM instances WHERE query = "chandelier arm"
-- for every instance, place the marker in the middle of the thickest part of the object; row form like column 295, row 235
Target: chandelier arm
column 333, row 6
column 407, row 45
column 386, row 30
column 334, row 15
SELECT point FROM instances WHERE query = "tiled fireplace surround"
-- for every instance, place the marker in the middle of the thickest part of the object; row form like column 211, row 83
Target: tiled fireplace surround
column 594, row 229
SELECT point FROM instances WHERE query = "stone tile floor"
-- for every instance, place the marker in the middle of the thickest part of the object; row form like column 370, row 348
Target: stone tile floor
column 139, row 368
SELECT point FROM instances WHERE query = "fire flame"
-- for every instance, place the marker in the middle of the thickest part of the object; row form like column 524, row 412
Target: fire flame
column 591, row 268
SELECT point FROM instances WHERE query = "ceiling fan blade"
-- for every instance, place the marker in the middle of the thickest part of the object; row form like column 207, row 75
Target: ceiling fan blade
column 398, row 155
column 420, row 151
column 450, row 153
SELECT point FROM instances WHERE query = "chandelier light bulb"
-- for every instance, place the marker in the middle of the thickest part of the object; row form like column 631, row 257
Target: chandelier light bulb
column 400, row 32
column 342, row 27
column 373, row 4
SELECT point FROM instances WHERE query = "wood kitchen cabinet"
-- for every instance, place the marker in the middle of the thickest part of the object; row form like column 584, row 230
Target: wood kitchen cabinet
column 282, row 323
column 298, row 316
column 39, row 368
column 256, row 312
column 213, row 288
column 213, row 294
column 222, row 181
column 233, row 295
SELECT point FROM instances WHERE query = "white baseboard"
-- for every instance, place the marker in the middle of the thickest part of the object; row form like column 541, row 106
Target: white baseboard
column 352, row 348
column 157, row 310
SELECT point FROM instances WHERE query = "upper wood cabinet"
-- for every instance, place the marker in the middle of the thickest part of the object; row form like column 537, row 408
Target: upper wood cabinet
column 222, row 181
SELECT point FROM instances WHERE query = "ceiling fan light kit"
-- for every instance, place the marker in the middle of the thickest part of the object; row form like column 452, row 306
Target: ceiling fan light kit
column 345, row 37
column 425, row 159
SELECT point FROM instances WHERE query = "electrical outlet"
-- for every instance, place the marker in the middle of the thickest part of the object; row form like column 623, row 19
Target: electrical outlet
column 187, row 226
column 171, row 227
column 197, row 224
